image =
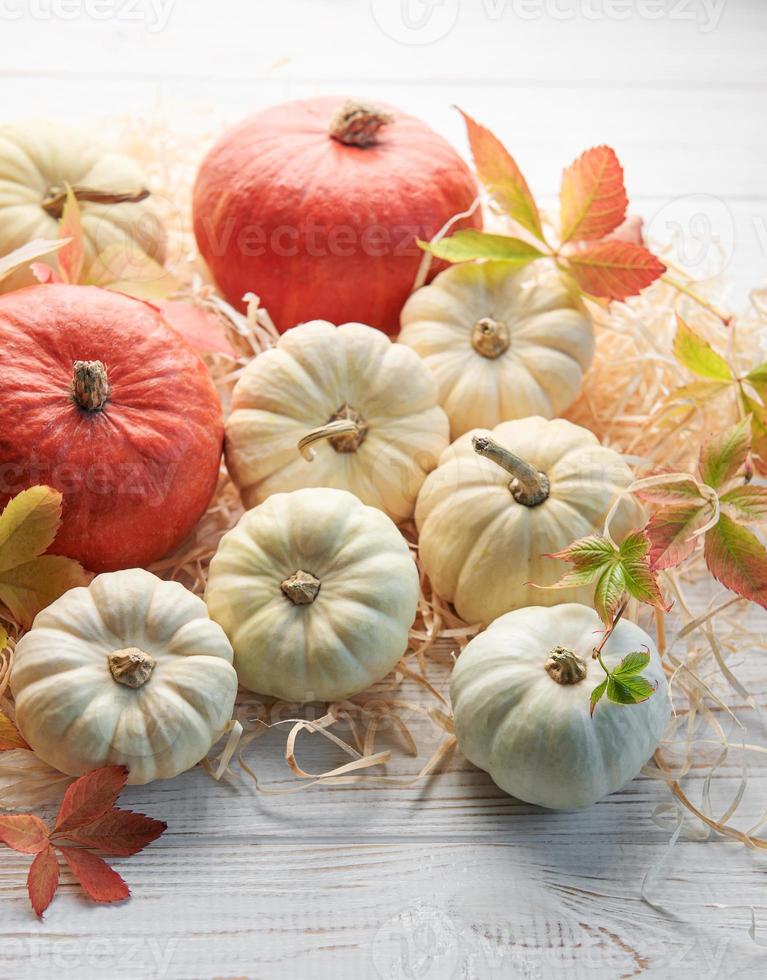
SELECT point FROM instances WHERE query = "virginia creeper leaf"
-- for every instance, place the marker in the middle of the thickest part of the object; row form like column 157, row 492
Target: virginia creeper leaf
column 592, row 198
column 609, row 593
column 746, row 504
column 671, row 530
column 684, row 491
column 737, row 559
column 698, row 356
column 758, row 379
column 596, row 695
column 90, row 797
column 697, row 392
column 471, row 244
column 72, row 256
column 628, row 689
column 119, row 832
column 501, row 177
column 126, row 268
column 632, row 663
column 23, row 832
column 43, row 880
column 100, row 882
column 28, row 588
column 725, row 453
column 758, row 432
column 25, row 255
column 614, row 269
column 589, row 555
column 10, row 736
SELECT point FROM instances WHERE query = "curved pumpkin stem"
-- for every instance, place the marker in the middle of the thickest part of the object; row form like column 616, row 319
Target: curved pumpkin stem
column 331, row 430
column 528, row 486
column 54, row 201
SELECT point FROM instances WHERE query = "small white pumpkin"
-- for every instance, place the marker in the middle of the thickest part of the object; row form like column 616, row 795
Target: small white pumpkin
column 38, row 158
column 316, row 592
column 502, row 345
column 366, row 407
column 499, row 502
column 128, row 671
column 521, row 699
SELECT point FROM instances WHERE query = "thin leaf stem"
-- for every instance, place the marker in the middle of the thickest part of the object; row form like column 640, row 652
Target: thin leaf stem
column 706, row 304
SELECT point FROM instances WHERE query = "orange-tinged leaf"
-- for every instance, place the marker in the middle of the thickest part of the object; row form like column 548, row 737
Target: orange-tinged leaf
column 25, row 255
column 43, row 880
column 90, row 797
column 737, row 559
column 593, row 198
column 23, row 832
column 28, row 525
column 10, row 736
column 614, row 269
column 126, row 268
column 502, row 178
column 28, row 588
column 668, row 492
column 100, row 882
column 725, row 453
column 72, row 256
column 671, row 533
column 119, row 832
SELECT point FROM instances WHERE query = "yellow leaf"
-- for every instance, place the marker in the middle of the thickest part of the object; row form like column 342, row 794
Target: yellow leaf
column 127, row 269
column 10, row 736
column 28, row 588
column 28, row 253
column 28, row 525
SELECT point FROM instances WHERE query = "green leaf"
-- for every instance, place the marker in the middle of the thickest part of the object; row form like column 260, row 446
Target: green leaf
column 596, row 695
column 628, row 689
column 758, row 379
column 671, row 531
column 758, row 431
column 501, row 177
column 746, row 504
column 697, row 392
column 632, row 663
column 609, row 592
column 725, row 453
column 471, row 244
column 698, row 356
column 638, row 578
column 737, row 559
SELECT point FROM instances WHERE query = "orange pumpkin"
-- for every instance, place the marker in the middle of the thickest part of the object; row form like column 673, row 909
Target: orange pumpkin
column 316, row 207
column 102, row 400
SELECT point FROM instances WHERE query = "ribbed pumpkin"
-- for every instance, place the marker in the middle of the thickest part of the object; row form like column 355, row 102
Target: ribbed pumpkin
column 38, row 159
column 104, row 402
column 316, row 206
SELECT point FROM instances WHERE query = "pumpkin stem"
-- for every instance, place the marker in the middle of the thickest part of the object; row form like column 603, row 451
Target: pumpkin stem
column 301, row 588
column 56, row 197
column 131, row 667
column 490, row 338
column 90, row 385
column 564, row 667
column 345, row 430
column 529, row 486
column 358, row 123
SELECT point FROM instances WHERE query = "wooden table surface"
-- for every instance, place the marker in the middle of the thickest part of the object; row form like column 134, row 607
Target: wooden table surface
column 449, row 878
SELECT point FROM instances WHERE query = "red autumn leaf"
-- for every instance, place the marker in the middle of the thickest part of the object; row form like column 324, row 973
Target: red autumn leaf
column 10, row 736
column 593, row 198
column 614, row 269
column 670, row 532
column 90, row 797
column 119, row 832
column 23, row 832
column 100, row 882
column 72, row 256
column 502, row 178
column 43, row 880
column 737, row 559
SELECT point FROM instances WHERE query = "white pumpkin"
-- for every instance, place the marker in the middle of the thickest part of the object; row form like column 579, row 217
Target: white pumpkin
column 38, row 158
column 521, row 699
column 367, row 407
column 128, row 671
column 499, row 502
column 501, row 344
column 317, row 593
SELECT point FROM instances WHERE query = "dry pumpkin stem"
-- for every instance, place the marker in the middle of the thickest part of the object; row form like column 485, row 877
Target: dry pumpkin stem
column 622, row 401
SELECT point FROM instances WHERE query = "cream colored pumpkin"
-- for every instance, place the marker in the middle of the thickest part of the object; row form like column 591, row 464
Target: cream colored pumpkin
column 386, row 430
column 521, row 701
column 317, row 593
column 128, row 671
column 486, row 517
column 38, row 159
column 502, row 345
